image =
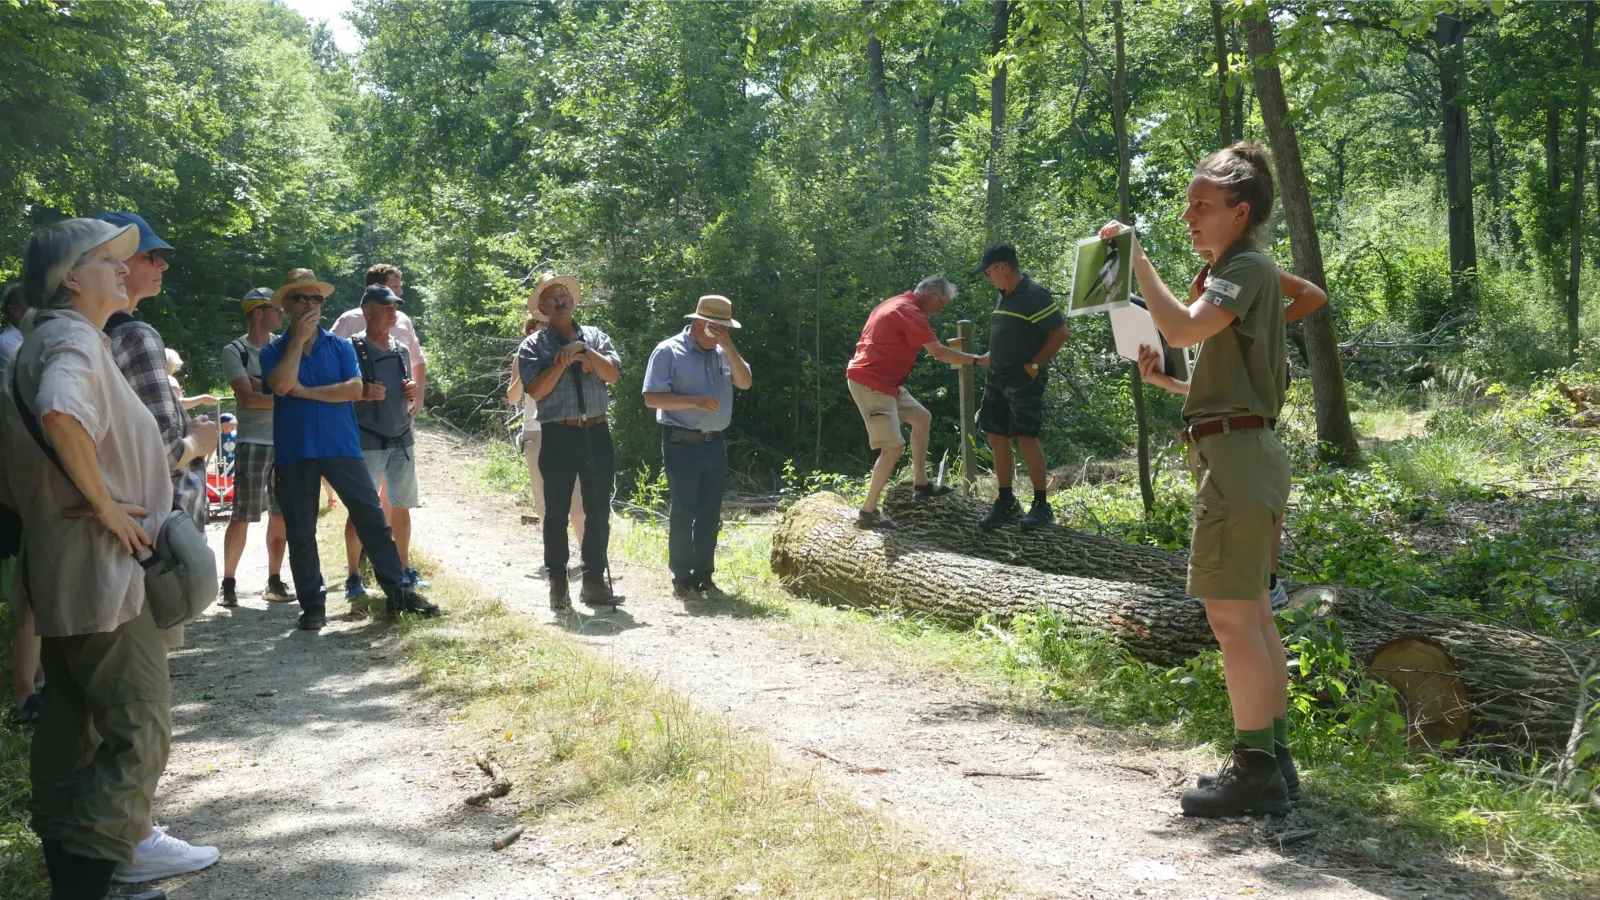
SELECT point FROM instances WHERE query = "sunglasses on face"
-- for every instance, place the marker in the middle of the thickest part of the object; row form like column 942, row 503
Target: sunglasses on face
column 305, row 299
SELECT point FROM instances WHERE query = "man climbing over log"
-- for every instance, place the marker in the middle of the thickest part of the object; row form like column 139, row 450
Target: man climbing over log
column 1240, row 467
column 895, row 331
column 1026, row 331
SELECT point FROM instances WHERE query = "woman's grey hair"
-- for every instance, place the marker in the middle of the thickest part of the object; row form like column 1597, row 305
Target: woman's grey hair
column 936, row 284
column 51, row 251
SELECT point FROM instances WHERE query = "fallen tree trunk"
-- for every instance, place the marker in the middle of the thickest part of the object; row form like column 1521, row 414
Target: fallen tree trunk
column 1452, row 675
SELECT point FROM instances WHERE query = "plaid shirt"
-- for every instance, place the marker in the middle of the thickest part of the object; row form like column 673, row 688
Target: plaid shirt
column 142, row 357
column 578, row 394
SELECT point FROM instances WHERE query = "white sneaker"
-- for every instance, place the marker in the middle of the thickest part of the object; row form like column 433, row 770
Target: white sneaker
column 1280, row 598
column 162, row 856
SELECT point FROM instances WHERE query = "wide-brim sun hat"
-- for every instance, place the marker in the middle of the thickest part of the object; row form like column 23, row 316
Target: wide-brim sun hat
column 716, row 309
column 54, row 250
column 550, row 280
column 300, row 278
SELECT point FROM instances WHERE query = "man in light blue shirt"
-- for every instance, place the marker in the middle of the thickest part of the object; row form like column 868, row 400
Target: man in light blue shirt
column 689, row 382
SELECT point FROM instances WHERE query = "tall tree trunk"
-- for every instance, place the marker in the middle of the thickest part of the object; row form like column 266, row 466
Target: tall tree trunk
column 1238, row 95
column 997, row 119
column 1575, row 269
column 880, row 94
column 1219, row 48
column 1335, row 435
column 1119, row 127
column 1450, row 38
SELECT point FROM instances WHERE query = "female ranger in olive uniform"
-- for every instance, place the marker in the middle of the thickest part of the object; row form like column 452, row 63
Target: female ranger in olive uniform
column 1242, row 470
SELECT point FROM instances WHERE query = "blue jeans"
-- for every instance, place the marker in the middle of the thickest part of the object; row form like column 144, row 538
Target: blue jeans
column 697, row 475
column 300, row 497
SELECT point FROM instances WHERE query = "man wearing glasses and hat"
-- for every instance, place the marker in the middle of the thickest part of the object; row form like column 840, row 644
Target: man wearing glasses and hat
column 565, row 368
column 315, row 379
column 689, row 382
column 253, row 490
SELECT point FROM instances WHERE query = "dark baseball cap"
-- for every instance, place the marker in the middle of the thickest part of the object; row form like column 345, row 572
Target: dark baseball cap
column 997, row 253
column 148, row 239
column 379, row 293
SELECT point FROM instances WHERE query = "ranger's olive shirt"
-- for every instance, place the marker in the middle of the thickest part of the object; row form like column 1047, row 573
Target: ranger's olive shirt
column 1241, row 369
column 78, row 579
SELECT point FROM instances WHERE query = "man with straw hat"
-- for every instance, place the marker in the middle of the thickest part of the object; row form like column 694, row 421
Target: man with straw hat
column 315, row 379
column 565, row 368
column 689, row 382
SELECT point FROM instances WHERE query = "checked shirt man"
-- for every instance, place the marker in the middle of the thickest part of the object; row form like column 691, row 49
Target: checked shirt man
column 315, row 379
column 689, row 382
column 1025, row 333
column 565, row 368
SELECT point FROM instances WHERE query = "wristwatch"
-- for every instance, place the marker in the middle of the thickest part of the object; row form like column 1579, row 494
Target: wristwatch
column 1032, row 369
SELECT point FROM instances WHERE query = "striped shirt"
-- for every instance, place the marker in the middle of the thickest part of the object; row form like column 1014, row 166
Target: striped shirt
column 142, row 357
column 1019, row 325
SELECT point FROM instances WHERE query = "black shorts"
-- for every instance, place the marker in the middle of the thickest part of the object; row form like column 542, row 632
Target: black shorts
column 1013, row 404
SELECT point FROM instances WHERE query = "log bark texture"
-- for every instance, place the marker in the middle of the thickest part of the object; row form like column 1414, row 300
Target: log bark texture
column 1520, row 688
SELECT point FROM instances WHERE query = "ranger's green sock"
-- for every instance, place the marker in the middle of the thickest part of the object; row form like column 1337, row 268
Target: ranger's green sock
column 1280, row 732
column 1260, row 739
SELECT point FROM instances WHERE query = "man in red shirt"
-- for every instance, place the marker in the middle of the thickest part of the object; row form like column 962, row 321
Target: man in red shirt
column 894, row 333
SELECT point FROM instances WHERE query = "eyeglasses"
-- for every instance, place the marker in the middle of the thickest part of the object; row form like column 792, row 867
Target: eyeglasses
column 307, row 299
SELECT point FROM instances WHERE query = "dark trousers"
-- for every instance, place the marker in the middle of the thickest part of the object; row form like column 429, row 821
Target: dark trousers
column 300, row 499
column 697, row 475
column 586, row 455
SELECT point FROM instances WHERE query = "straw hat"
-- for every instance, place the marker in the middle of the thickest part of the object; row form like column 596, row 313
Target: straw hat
column 716, row 309
column 549, row 280
column 300, row 278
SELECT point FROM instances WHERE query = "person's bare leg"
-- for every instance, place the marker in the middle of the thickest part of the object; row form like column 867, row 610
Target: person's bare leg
column 1247, row 667
column 400, row 523
column 233, row 546
column 277, row 543
column 24, row 657
column 530, row 454
column 1272, row 640
column 1033, row 455
column 1005, row 463
column 881, row 470
column 352, row 547
column 921, row 422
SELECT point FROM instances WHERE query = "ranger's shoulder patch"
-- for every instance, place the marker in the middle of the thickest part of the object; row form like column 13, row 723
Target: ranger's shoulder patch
column 1223, row 286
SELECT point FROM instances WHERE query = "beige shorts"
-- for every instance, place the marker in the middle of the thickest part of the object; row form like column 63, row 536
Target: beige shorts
column 1243, row 479
column 883, row 413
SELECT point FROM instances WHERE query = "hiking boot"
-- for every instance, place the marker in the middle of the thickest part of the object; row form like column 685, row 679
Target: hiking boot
column 1041, row 514
column 406, row 601
column 277, row 591
column 1005, row 506
column 229, row 597
column 597, row 593
column 1291, row 775
column 313, row 619
column 874, row 519
column 1249, row 784
column 162, row 856
column 354, row 587
column 415, row 579
column 1280, row 598
column 930, row 490
column 709, row 588
column 560, row 598
column 685, row 590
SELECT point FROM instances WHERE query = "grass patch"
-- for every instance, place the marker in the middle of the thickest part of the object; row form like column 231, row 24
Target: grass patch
column 22, row 874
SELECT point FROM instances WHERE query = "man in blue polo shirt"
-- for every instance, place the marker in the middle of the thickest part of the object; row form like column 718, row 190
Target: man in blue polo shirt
column 316, row 378
column 689, row 382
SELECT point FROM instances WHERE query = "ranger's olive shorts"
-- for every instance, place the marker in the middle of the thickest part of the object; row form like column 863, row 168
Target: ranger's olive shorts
column 102, row 742
column 1243, row 479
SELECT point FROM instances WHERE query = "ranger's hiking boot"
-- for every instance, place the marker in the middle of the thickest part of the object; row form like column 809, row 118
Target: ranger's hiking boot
column 1041, row 514
column 1249, row 785
column 598, row 593
column 1003, row 509
column 560, row 598
column 1291, row 775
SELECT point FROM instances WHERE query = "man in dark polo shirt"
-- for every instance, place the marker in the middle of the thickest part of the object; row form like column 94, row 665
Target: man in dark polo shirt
column 1026, row 330
column 316, row 379
column 566, row 367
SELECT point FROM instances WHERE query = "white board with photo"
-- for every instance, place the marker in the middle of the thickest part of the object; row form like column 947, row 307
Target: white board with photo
column 1102, row 274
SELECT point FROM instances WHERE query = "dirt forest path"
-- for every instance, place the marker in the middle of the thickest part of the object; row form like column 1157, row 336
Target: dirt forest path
column 316, row 767
column 1093, row 825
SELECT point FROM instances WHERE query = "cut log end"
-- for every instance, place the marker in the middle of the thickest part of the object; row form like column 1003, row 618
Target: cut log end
column 1433, row 695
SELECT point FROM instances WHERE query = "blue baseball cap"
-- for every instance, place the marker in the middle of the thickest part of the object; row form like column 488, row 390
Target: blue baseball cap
column 148, row 239
column 378, row 293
